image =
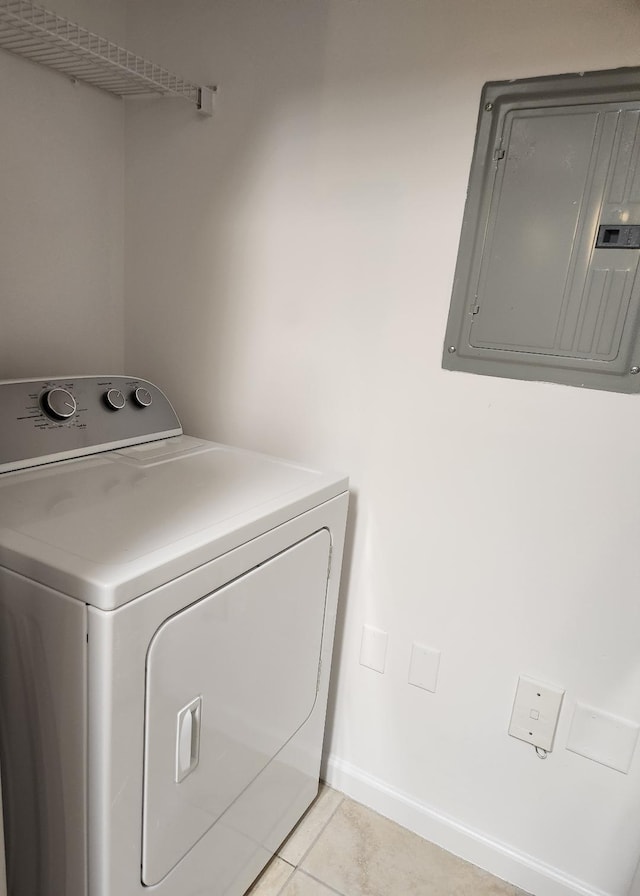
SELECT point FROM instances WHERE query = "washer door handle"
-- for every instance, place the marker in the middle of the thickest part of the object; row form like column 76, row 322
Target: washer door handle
column 188, row 739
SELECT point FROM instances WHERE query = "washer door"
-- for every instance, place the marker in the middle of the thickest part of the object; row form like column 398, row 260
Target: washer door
column 229, row 681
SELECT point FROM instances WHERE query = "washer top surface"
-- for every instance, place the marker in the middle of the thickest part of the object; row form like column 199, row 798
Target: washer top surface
column 111, row 526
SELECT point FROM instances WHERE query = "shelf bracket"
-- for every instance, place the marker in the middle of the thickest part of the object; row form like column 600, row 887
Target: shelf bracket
column 206, row 96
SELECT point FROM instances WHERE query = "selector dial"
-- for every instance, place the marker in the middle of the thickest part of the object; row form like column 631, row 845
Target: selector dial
column 142, row 397
column 59, row 403
column 115, row 399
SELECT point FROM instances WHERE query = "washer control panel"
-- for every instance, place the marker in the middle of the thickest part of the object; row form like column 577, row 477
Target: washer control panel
column 55, row 419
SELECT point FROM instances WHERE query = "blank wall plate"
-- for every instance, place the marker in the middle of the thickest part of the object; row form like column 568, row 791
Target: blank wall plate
column 603, row 737
column 535, row 712
column 373, row 649
column 423, row 668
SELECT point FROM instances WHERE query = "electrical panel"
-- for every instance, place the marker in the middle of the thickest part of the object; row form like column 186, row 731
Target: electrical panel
column 546, row 285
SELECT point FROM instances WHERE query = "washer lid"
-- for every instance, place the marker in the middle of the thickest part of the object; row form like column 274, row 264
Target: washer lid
column 108, row 528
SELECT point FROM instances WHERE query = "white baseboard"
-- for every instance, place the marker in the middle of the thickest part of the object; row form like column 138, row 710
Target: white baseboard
column 507, row 863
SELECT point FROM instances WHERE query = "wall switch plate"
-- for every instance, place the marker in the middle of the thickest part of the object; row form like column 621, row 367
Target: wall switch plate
column 535, row 712
column 373, row 648
column 423, row 667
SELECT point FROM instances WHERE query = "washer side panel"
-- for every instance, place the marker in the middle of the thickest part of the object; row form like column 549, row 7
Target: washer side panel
column 43, row 658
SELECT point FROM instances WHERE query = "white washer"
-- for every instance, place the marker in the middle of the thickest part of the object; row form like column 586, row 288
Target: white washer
column 167, row 610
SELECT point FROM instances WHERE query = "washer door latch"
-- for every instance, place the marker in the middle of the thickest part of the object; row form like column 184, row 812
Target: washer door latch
column 188, row 739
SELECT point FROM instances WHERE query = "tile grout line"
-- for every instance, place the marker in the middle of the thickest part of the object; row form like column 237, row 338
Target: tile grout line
column 309, row 848
column 289, row 876
column 293, row 869
column 322, row 883
column 320, row 833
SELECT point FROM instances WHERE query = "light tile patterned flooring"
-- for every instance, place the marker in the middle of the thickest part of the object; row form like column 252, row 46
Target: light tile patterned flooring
column 341, row 848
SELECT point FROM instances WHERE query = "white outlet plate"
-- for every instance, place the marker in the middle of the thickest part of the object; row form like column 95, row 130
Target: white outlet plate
column 536, row 709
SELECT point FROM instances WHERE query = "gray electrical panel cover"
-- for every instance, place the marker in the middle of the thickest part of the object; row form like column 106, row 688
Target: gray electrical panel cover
column 546, row 284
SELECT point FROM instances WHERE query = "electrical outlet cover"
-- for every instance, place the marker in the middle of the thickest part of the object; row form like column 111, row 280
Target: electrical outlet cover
column 536, row 709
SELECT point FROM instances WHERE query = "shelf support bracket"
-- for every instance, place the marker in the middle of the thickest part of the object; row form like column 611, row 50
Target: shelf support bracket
column 205, row 100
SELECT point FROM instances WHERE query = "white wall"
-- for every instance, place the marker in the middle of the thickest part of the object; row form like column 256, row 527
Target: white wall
column 62, row 210
column 288, row 272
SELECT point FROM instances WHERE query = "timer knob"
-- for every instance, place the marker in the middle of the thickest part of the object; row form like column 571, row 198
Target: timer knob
column 115, row 399
column 142, row 397
column 59, row 403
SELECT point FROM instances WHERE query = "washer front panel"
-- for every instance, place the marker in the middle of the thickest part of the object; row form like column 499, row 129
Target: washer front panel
column 229, row 681
column 232, row 852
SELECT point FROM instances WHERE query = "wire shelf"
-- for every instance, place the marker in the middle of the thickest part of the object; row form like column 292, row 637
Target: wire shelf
column 47, row 38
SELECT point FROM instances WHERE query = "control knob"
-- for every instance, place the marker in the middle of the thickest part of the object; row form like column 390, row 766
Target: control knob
column 115, row 399
column 59, row 403
column 142, row 397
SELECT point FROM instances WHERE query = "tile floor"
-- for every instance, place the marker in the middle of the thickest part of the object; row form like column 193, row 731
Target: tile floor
column 341, row 848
